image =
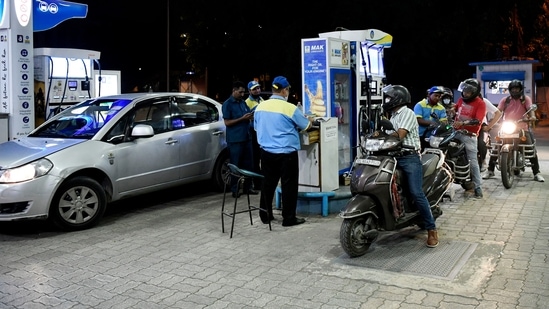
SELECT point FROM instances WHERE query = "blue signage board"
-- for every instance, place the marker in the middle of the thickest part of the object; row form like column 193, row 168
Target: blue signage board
column 315, row 76
column 50, row 13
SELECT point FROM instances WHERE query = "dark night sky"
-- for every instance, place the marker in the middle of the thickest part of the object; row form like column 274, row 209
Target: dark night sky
column 126, row 40
column 133, row 34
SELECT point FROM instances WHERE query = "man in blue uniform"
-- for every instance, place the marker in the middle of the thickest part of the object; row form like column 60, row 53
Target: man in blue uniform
column 278, row 123
column 237, row 116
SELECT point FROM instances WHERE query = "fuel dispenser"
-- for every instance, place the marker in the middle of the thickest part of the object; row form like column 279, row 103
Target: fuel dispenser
column 359, row 91
column 62, row 78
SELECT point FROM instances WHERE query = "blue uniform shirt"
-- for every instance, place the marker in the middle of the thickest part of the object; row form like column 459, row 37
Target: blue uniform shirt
column 278, row 124
column 233, row 109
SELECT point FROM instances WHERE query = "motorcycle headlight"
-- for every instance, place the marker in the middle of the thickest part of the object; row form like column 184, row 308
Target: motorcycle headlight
column 434, row 141
column 508, row 127
column 26, row 172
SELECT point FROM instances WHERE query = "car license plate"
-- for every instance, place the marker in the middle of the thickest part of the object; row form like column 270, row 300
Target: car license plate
column 368, row 162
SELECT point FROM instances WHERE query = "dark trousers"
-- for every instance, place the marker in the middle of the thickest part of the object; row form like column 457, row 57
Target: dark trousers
column 256, row 159
column 482, row 148
column 534, row 160
column 283, row 167
column 240, row 154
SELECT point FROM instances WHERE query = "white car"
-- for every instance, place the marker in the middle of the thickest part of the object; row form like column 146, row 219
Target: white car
column 109, row 148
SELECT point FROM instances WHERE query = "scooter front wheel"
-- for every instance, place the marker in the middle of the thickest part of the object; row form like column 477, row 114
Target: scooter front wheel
column 357, row 234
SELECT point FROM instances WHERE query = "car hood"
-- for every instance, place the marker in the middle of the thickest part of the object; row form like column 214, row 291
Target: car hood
column 28, row 149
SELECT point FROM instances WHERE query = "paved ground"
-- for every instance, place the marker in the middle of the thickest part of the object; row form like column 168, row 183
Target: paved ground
column 166, row 250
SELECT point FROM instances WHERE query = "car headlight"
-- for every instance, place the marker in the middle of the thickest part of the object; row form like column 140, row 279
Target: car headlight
column 434, row 141
column 26, row 172
column 508, row 127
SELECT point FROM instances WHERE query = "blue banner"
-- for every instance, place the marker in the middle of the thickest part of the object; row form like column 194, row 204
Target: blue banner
column 50, row 13
column 315, row 77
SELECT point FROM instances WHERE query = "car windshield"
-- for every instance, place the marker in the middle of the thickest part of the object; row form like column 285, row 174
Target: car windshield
column 82, row 120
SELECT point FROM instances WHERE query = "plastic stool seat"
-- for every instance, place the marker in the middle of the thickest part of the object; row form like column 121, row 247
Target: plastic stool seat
column 242, row 175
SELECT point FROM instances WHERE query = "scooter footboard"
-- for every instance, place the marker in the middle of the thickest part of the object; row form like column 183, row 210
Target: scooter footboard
column 357, row 206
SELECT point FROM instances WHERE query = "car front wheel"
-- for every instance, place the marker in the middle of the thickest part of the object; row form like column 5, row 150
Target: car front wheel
column 78, row 204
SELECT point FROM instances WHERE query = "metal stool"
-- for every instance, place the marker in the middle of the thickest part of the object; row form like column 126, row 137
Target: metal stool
column 242, row 175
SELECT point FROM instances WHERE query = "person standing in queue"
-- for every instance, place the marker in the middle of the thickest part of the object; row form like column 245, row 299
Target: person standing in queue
column 237, row 117
column 278, row 123
column 396, row 99
column 254, row 98
column 470, row 111
column 493, row 114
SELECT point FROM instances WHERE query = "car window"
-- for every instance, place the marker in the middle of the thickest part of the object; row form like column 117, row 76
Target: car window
column 155, row 113
column 190, row 111
column 82, row 120
column 159, row 117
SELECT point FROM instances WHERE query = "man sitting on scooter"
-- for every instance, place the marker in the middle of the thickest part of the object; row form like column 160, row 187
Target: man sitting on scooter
column 406, row 128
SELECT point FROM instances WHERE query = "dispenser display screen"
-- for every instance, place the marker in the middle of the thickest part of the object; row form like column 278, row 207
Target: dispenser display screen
column 73, row 85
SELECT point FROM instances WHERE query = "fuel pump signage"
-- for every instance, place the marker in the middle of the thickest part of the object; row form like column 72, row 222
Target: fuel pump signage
column 16, row 68
column 51, row 13
column 315, row 76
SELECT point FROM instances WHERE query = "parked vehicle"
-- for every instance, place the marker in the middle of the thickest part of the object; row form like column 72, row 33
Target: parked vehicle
column 109, row 148
column 380, row 201
column 512, row 154
column 444, row 138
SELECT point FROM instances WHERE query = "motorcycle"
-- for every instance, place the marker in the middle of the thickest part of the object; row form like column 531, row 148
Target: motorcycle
column 380, row 201
column 511, row 153
column 443, row 138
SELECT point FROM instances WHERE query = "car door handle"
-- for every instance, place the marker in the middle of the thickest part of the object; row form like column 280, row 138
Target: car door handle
column 218, row 133
column 171, row 141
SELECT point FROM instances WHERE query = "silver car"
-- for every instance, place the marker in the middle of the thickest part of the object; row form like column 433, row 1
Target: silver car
column 105, row 149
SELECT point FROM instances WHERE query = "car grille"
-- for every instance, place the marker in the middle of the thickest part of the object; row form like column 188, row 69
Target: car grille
column 13, row 208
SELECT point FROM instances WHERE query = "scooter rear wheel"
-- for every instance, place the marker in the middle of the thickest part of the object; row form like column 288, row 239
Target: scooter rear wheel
column 356, row 235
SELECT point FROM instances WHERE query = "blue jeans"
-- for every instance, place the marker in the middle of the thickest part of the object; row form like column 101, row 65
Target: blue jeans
column 471, row 148
column 411, row 166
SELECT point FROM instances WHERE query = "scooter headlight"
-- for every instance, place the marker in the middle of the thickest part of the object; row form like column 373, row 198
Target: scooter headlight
column 374, row 144
column 434, row 141
column 508, row 127
column 379, row 144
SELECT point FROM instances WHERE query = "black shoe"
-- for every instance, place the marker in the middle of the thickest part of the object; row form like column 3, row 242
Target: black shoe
column 251, row 192
column 293, row 222
column 264, row 221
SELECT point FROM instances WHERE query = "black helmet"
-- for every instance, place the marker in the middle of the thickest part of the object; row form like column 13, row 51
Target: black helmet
column 469, row 85
column 396, row 95
column 515, row 83
column 447, row 97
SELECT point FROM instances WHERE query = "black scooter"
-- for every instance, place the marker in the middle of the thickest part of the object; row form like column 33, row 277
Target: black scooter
column 444, row 137
column 380, row 200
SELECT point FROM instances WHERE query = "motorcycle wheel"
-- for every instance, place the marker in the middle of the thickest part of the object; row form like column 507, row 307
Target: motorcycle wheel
column 352, row 235
column 507, row 175
column 520, row 162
